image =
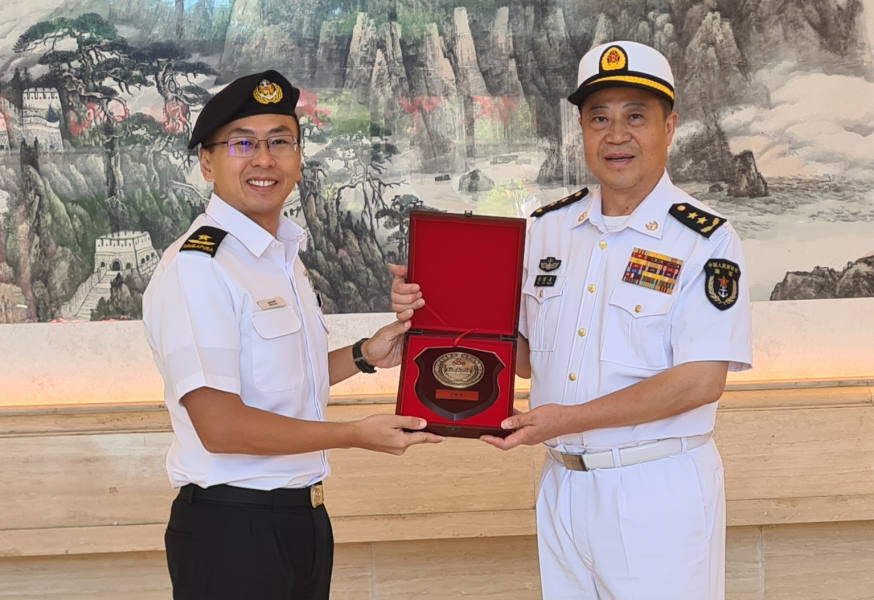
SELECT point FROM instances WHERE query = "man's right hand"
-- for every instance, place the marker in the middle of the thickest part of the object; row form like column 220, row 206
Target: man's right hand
column 392, row 433
column 405, row 297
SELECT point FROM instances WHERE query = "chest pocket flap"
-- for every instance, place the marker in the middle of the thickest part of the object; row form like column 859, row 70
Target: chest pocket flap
column 276, row 322
column 542, row 304
column 639, row 301
column 542, row 293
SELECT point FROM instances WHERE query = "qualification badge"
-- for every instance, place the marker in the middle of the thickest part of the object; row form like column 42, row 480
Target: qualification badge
column 721, row 282
column 550, row 263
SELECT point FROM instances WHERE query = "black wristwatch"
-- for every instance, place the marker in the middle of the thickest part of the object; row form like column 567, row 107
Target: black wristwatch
column 358, row 357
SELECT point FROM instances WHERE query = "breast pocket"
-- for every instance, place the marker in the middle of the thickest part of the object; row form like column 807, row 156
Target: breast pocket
column 276, row 356
column 638, row 328
column 542, row 311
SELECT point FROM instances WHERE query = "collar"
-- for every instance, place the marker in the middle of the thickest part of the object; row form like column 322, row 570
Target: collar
column 254, row 237
column 648, row 218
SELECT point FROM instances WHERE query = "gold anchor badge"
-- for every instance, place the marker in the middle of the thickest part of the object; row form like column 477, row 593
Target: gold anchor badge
column 267, row 92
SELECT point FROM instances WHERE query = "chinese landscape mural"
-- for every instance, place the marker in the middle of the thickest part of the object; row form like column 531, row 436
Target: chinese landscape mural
column 445, row 105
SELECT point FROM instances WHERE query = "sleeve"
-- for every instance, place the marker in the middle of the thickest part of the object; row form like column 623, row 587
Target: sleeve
column 712, row 318
column 193, row 328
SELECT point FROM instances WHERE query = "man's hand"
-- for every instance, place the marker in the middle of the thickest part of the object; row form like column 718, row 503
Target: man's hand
column 386, row 433
column 405, row 297
column 385, row 348
column 541, row 424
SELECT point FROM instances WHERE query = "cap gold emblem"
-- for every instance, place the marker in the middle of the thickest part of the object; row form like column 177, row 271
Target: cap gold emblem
column 267, row 92
column 614, row 59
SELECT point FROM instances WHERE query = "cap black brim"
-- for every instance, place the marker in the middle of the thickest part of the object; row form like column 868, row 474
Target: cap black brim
column 586, row 90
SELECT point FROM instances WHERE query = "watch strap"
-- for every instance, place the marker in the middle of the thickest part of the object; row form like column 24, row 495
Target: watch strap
column 358, row 357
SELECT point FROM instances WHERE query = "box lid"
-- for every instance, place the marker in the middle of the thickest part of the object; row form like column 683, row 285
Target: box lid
column 470, row 270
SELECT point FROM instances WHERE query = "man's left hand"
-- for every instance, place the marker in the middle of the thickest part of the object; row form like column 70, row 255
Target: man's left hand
column 541, row 424
column 386, row 346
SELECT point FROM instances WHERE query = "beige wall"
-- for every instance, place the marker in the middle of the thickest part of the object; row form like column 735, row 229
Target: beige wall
column 85, row 516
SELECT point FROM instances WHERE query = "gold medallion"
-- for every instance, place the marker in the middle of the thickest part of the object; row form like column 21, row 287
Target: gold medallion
column 267, row 92
column 458, row 369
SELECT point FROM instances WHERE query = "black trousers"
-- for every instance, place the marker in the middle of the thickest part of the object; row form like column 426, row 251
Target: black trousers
column 262, row 546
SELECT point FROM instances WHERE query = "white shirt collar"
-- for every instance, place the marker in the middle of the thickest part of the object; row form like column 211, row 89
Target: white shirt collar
column 251, row 235
column 648, row 218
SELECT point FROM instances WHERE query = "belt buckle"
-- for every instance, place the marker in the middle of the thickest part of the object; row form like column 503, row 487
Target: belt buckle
column 574, row 462
column 317, row 495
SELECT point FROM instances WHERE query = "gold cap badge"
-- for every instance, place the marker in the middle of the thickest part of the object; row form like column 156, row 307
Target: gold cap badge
column 614, row 59
column 267, row 92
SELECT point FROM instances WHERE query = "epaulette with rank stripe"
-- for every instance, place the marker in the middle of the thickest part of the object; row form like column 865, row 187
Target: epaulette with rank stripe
column 205, row 239
column 696, row 219
column 560, row 203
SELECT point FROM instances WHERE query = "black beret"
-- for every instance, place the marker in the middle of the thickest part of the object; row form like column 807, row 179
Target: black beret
column 260, row 93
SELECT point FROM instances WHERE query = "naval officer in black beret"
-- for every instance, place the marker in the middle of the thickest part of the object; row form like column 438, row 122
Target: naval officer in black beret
column 238, row 336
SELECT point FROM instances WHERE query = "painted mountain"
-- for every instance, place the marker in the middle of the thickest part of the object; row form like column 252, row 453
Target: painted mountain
column 442, row 104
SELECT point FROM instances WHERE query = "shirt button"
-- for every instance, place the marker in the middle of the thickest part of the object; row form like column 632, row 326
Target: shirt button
column 581, row 332
column 602, row 244
column 638, row 308
column 592, row 287
column 572, row 376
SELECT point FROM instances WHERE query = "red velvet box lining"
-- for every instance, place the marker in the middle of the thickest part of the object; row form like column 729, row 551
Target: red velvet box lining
column 470, row 281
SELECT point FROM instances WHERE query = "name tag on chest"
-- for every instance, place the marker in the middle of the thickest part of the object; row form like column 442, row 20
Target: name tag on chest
column 268, row 303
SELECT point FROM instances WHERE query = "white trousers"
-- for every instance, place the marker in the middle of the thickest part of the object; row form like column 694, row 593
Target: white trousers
column 652, row 531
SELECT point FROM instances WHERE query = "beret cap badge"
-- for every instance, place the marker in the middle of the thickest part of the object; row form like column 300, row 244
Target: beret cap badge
column 267, row 92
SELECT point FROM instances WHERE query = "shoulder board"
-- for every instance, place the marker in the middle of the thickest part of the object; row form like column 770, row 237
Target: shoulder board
column 560, row 203
column 205, row 239
column 696, row 219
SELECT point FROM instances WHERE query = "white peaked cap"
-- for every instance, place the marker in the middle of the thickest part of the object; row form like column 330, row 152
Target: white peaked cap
column 623, row 64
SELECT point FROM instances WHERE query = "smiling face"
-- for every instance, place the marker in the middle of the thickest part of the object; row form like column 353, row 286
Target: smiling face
column 626, row 136
column 255, row 185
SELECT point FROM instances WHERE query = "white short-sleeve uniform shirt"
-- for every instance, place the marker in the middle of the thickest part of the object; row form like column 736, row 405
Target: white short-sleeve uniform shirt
column 596, row 323
column 244, row 321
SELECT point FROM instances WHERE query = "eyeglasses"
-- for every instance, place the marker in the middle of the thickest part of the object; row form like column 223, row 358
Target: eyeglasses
column 277, row 145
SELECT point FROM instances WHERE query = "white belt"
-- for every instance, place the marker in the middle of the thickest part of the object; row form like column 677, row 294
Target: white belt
column 631, row 455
